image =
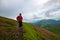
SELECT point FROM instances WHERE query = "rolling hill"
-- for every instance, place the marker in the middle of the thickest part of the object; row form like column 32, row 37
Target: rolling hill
column 9, row 31
column 49, row 24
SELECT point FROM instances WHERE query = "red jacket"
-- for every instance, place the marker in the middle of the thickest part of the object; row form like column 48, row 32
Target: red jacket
column 20, row 18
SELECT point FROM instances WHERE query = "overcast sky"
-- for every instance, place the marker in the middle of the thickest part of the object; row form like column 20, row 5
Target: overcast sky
column 30, row 9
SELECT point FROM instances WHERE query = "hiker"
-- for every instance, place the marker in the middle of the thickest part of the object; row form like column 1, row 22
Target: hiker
column 19, row 19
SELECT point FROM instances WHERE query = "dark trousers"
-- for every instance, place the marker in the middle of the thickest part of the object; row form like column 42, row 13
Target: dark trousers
column 20, row 24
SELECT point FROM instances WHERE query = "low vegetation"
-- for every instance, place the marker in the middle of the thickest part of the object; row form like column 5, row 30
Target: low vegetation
column 9, row 31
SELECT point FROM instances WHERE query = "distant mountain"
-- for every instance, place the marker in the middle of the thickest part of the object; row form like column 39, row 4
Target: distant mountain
column 46, row 22
column 49, row 24
column 10, row 31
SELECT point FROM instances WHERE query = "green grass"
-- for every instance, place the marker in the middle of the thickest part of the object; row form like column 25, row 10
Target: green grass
column 54, row 29
column 8, row 31
column 30, row 33
column 7, row 28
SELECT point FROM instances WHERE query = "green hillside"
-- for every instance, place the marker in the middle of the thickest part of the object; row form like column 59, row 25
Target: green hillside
column 37, row 33
column 9, row 31
column 54, row 29
column 49, row 24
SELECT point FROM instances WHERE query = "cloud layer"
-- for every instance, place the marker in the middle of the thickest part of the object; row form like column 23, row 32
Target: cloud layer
column 30, row 9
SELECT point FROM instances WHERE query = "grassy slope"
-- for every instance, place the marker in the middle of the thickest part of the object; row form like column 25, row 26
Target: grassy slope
column 36, row 33
column 54, row 29
column 9, row 31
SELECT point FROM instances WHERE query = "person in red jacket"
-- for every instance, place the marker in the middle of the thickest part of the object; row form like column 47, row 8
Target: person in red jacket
column 19, row 19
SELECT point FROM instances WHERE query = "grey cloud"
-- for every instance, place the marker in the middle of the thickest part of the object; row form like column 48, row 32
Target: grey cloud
column 26, row 7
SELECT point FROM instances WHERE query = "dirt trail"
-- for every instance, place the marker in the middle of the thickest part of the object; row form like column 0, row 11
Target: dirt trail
column 14, row 34
column 20, row 33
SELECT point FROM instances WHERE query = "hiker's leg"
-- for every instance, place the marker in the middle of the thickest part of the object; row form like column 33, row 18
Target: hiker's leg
column 20, row 24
